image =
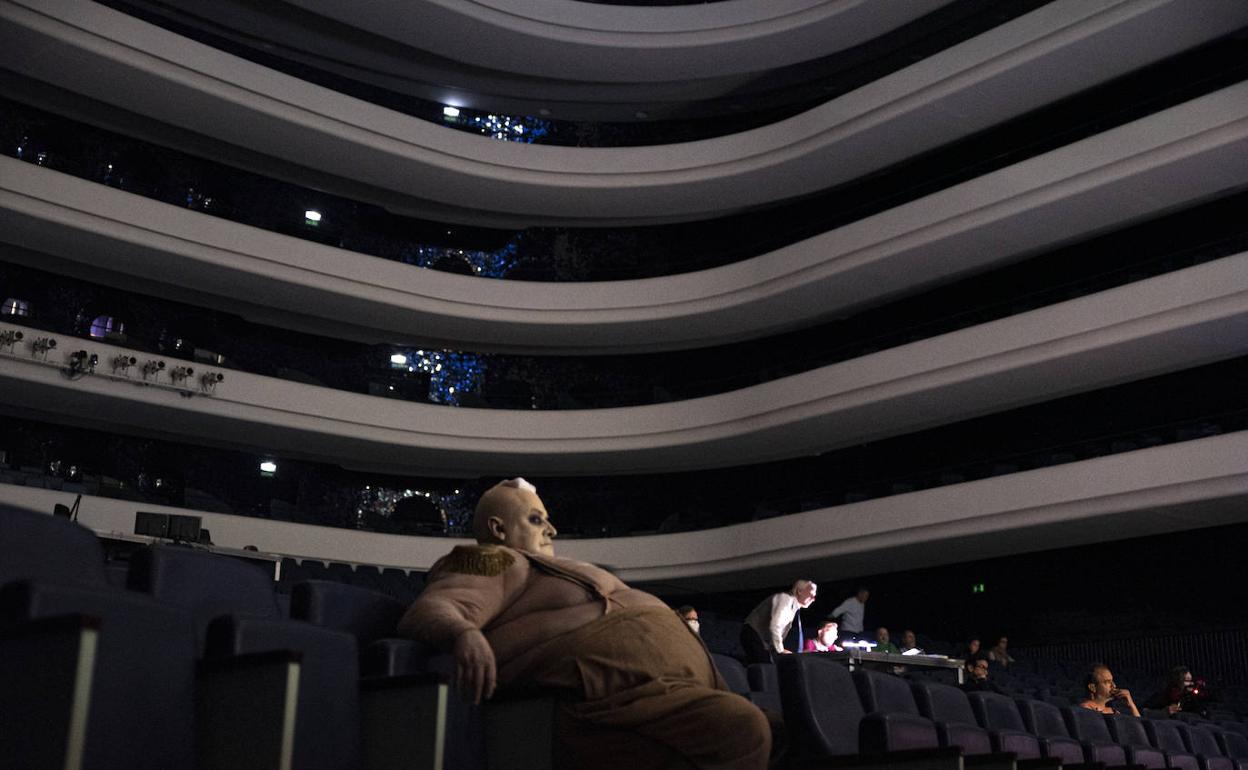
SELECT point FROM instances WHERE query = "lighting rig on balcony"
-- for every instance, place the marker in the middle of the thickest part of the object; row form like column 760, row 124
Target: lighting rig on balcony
column 81, row 363
column 9, row 338
column 208, row 381
column 40, row 347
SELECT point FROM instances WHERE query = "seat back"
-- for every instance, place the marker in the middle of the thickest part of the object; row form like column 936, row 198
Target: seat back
column 142, row 695
column 821, row 705
column 1203, row 741
column 39, row 546
column 1129, row 731
column 1043, row 719
column 995, row 711
column 733, row 672
column 887, row 693
column 207, row 584
column 1166, row 735
column 763, row 678
column 365, row 614
column 1087, row 725
column 942, row 702
column 1234, row 745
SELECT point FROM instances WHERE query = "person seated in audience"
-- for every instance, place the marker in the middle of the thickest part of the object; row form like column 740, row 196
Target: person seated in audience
column 635, row 686
column 824, row 639
column 971, row 650
column 1101, row 691
column 882, row 643
column 910, row 642
column 689, row 615
column 765, row 627
column 1181, row 692
column 977, row 677
column 999, row 653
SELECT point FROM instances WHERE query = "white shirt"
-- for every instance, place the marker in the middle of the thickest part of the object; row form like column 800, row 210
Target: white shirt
column 850, row 612
column 773, row 618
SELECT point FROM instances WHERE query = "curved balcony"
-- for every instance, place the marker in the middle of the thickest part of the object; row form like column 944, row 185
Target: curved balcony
column 1170, row 322
column 1043, row 56
column 1179, row 156
column 1198, row 483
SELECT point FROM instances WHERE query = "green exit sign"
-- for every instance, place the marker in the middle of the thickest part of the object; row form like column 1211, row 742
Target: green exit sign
column 978, row 588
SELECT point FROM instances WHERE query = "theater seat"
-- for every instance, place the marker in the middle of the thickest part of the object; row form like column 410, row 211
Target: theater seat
column 1168, row 736
column 896, row 723
column 948, row 707
column 824, row 716
column 236, row 613
column 140, row 706
column 1129, row 732
column 1202, row 742
column 1045, row 721
column 998, row 714
column 1090, row 728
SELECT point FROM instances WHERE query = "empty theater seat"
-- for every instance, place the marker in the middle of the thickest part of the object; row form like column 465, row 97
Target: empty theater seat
column 1129, row 732
column 895, row 720
column 998, row 714
column 1168, row 736
column 948, row 707
column 1045, row 721
column 141, row 701
column 236, row 613
column 824, row 716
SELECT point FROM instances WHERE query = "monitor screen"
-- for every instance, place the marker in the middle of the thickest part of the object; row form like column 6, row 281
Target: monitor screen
column 153, row 524
column 184, row 528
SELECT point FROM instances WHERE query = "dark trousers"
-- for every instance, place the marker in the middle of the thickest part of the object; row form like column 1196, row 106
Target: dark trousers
column 755, row 650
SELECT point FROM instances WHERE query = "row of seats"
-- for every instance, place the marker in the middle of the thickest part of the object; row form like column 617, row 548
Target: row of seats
column 193, row 664
column 830, row 712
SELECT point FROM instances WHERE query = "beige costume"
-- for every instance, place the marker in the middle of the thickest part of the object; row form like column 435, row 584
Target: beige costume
column 639, row 688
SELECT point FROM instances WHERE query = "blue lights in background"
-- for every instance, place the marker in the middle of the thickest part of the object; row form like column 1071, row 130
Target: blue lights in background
column 453, row 375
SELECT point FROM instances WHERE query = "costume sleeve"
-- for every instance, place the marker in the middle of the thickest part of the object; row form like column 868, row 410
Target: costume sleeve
column 779, row 624
column 467, row 589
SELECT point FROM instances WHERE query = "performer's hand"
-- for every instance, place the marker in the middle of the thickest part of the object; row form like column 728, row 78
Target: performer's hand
column 474, row 666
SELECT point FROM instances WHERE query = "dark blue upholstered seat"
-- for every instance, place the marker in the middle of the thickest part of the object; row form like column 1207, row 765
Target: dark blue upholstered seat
column 948, row 707
column 141, row 704
column 998, row 714
column 1090, row 728
column 1168, row 735
column 235, row 608
column 897, row 724
column 1129, row 732
column 1044, row 721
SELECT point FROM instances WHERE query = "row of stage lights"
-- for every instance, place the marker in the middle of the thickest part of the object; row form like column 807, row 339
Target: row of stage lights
column 81, row 363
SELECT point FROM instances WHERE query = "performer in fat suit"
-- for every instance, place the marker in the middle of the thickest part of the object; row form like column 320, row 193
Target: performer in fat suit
column 637, row 687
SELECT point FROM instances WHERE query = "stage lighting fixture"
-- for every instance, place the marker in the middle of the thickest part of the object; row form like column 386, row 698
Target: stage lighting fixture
column 123, row 363
column 398, row 359
column 152, row 368
column 10, row 337
column 82, row 362
column 180, row 373
column 43, row 344
column 209, row 380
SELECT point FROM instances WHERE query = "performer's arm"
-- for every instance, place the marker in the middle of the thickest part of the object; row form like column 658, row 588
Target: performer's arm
column 451, row 611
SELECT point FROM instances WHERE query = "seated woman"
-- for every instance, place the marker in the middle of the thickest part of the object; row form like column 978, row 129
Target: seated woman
column 1099, row 683
column 999, row 654
column 824, row 640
